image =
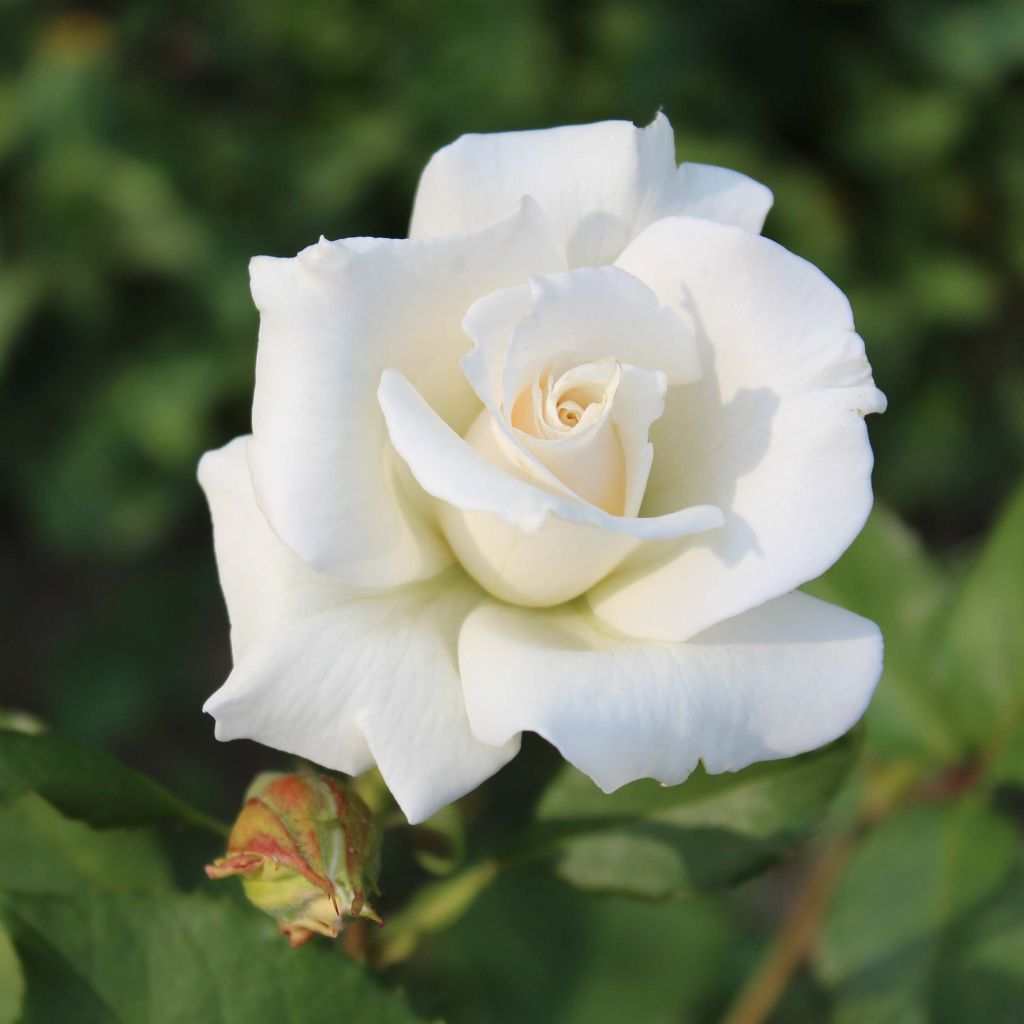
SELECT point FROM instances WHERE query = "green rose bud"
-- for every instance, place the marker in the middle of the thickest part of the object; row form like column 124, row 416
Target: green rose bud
column 306, row 848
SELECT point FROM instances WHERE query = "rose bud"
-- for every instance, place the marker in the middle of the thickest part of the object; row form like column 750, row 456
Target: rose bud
column 306, row 848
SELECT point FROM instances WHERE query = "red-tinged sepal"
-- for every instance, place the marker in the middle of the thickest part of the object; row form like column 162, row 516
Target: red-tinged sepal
column 306, row 849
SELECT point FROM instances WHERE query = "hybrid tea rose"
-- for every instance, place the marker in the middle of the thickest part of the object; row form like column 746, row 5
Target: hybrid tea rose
column 556, row 462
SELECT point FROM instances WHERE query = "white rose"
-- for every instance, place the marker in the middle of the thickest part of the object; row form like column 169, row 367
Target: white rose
column 557, row 462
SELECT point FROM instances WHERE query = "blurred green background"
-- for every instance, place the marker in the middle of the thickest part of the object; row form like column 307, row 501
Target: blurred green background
column 147, row 150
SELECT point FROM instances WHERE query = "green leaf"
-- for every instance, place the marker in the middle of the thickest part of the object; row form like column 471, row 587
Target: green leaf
column 984, row 978
column 985, row 648
column 87, row 784
column 12, row 982
column 20, row 290
column 533, row 950
column 652, row 841
column 43, row 852
column 166, row 957
column 889, row 935
column 441, row 841
column 887, row 577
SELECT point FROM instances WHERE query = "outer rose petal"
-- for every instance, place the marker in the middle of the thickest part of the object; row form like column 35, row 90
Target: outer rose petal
column 783, row 679
column 716, row 193
column 772, row 433
column 344, row 681
column 602, row 184
column 331, row 319
column 266, row 588
column 522, row 543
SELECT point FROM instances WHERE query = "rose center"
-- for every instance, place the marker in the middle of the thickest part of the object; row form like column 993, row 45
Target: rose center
column 564, row 402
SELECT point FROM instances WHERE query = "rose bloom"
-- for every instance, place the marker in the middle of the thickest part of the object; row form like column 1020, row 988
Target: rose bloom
column 556, row 462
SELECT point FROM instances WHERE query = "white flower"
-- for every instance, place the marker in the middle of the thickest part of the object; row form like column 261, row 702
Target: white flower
column 556, row 463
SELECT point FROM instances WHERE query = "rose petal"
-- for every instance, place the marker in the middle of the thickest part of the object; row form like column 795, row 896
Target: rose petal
column 589, row 460
column 716, row 193
column 344, row 681
column 602, row 184
column 586, row 315
column 780, row 680
column 331, row 319
column 639, row 404
column 561, row 545
column 772, row 433
column 607, row 463
column 266, row 588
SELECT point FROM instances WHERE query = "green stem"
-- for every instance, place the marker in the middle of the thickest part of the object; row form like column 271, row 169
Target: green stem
column 190, row 816
column 434, row 907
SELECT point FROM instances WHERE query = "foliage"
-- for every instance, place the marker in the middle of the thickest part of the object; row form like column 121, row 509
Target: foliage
column 86, row 784
column 146, row 151
column 654, row 842
column 169, row 957
column 901, row 936
column 102, row 936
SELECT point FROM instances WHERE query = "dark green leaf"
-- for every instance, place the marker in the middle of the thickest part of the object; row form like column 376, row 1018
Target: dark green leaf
column 889, row 937
column 87, row 784
column 986, row 648
column 533, row 950
column 887, row 576
column 653, row 841
column 42, row 852
column 441, row 841
column 12, row 983
column 56, row 991
column 983, row 979
column 165, row 958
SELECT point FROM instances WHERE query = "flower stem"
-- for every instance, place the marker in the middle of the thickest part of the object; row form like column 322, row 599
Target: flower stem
column 888, row 789
column 793, row 941
column 434, row 907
